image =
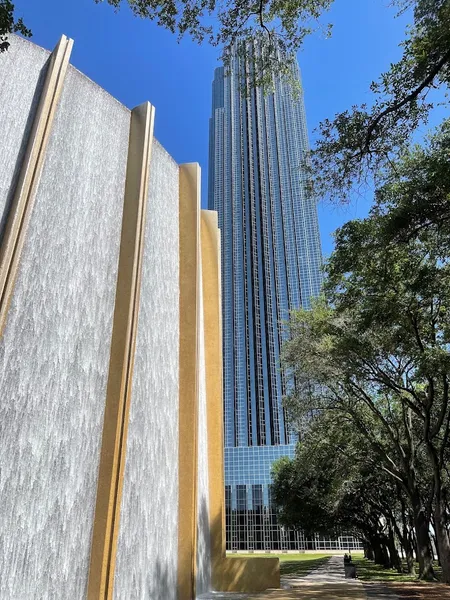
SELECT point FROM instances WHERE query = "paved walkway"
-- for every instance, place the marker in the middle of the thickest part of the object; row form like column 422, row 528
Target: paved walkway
column 325, row 583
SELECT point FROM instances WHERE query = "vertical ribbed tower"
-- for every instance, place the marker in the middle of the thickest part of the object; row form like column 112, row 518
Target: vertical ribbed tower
column 271, row 264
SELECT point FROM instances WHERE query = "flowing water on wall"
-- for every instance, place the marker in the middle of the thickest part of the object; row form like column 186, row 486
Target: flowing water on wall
column 203, row 530
column 19, row 96
column 147, row 553
column 54, row 353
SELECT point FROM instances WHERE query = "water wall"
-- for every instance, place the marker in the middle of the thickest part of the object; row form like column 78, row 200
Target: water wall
column 148, row 536
column 111, row 448
column 18, row 103
column 54, row 351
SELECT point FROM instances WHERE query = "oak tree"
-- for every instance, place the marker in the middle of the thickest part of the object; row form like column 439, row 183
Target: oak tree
column 10, row 24
column 362, row 141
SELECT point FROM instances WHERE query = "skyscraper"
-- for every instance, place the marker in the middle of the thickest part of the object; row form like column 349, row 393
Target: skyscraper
column 271, row 264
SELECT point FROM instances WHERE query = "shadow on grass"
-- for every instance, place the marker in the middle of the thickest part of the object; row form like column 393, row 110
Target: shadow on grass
column 301, row 568
column 369, row 571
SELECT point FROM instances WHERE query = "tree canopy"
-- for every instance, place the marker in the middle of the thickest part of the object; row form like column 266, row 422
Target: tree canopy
column 358, row 141
column 10, row 24
column 335, row 485
column 276, row 28
column 364, row 140
column 376, row 347
column 355, row 142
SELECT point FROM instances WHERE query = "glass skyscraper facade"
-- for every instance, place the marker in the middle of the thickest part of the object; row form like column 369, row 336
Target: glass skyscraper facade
column 271, row 264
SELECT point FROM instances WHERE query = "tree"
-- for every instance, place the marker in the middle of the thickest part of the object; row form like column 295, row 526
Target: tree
column 8, row 24
column 304, row 488
column 363, row 140
column 416, row 194
column 272, row 30
column 376, row 348
column 335, row 483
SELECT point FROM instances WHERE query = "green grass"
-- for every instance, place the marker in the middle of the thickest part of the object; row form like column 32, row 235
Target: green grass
column 293, row 564
column 369, row 571
column 301, row 568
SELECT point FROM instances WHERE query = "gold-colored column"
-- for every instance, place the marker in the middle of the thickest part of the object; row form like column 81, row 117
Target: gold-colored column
column 189, row 216
column 228, row 574
column 123, row 343
column 22, row 203
column 210, row 245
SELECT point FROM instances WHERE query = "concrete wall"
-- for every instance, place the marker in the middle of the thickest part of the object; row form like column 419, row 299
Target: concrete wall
column 148, row 540
column 54, row 352
column 111, row 481
column 18, row 103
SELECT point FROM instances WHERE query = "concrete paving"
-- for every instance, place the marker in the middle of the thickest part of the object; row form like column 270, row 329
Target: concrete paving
column 324, row 583
column 327, row 582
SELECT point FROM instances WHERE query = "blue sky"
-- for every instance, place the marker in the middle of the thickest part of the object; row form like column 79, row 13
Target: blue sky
column 134, row 60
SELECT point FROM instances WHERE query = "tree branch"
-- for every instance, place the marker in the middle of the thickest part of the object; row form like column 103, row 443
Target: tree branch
column 409, row 98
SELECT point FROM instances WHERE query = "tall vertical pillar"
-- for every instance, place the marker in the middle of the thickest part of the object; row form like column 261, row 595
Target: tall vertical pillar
column 189, row 351
column 228, row 574
column 118, row 395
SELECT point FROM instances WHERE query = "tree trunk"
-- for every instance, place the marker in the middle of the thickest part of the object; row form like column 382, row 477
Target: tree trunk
column 378, row 555
column 381, row 552
column 434, row 540
column 410, row 565
column 408, row 544
column 407, row 540
column 387, row 559
column 414, row 544
column 442, row 538
column 369, row 552
column 396, row 563
column 439, row 514
column 421, row 525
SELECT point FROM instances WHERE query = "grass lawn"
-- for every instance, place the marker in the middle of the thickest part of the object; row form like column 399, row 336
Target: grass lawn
column 292, row 564
column 369, row 571
column 301, row 567
column 404, row 585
